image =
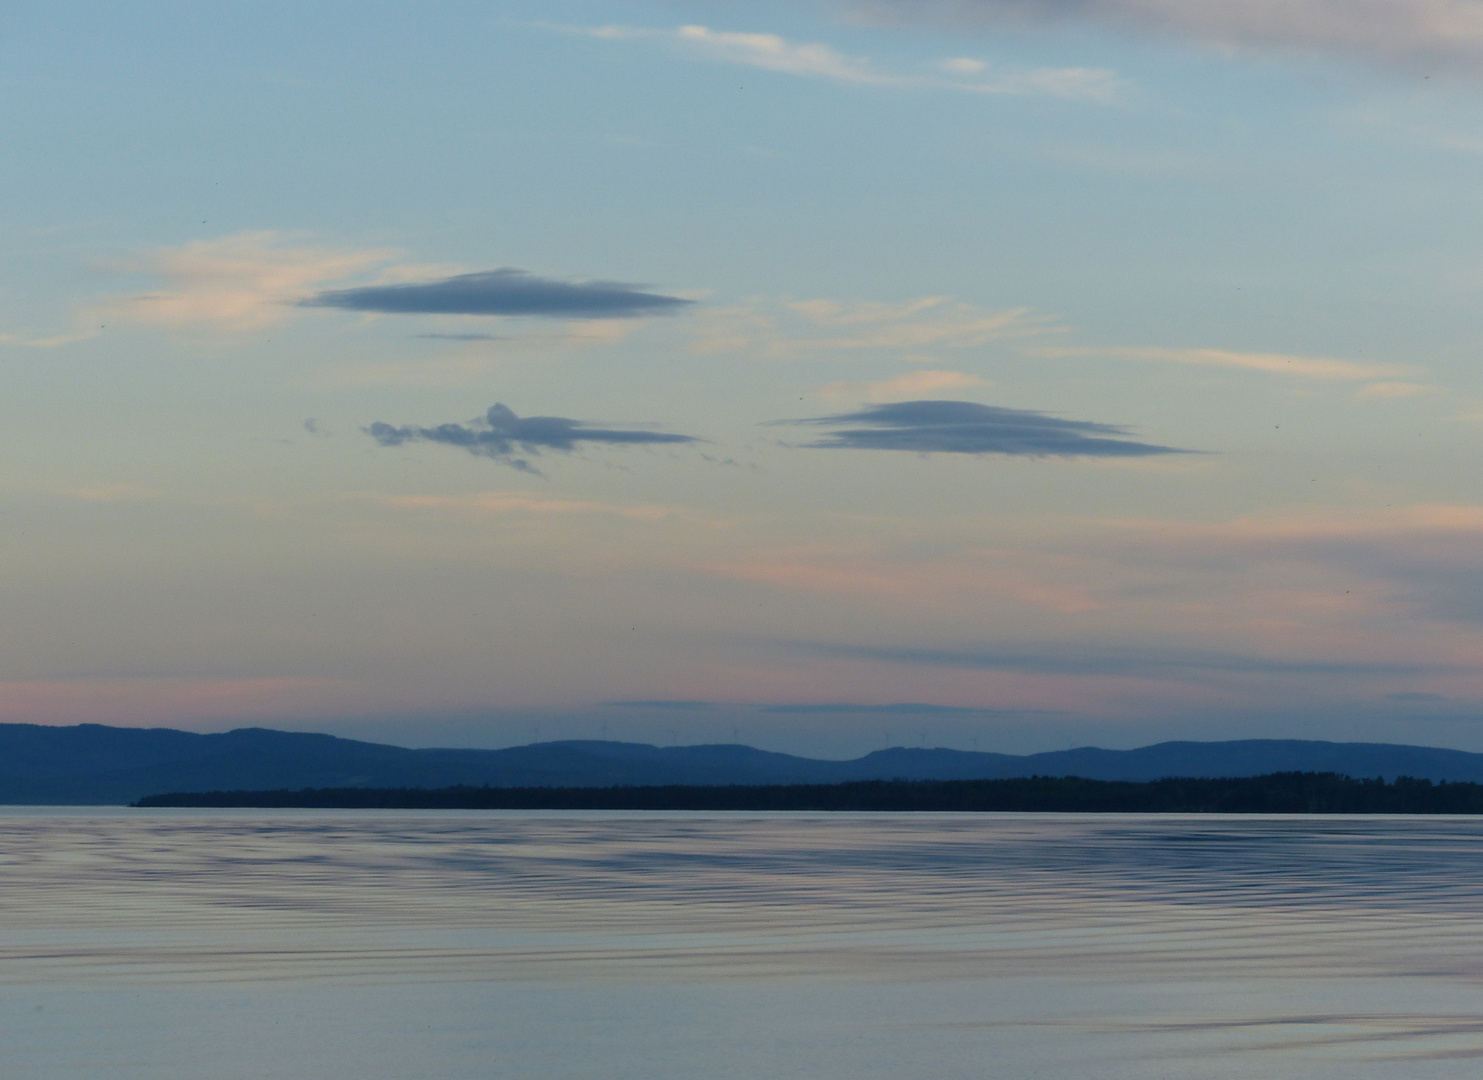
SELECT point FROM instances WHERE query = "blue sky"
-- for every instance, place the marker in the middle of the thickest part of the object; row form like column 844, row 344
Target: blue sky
column 1008, row 374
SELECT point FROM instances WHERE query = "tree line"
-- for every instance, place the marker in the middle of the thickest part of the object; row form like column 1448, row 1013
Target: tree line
column 1275, row 793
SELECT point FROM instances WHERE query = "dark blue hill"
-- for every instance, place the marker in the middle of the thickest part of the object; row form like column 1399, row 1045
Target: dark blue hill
column 94, row 764
column 1245, row 757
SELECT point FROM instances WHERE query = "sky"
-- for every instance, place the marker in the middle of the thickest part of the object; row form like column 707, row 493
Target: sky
column 996, row 374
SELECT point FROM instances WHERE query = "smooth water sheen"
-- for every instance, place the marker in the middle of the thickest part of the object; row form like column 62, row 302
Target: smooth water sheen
column 325, row 945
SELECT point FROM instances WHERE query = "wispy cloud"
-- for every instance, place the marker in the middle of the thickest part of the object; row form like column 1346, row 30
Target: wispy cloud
column 1423, row 558
column 932, row 322
column 501, row 292
column 900, row 708
column 1099, row 85
column 1108, row 616
column 914, row 328
column 1411, row 33
column 963, row 427
column 1307, row 367
column 251, row 280
column 812, row 60
column 834, row 708
column 778, row 54
column 501, row 435
column 767, row 51
column 1088, row 659
column 677, row 705
column 1362, row 589
column 913, row 384
column 116, row 493
column 963, row 65
column 239, row 282
column 1088, row 84
column 1388, row 390
column 463, row 337
column 1023, row 579
column 834, row 313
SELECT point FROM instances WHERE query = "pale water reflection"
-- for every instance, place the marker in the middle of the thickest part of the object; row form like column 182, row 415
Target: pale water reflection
column 226, row 944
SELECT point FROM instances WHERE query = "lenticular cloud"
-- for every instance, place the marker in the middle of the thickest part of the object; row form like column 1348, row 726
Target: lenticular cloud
column 502, row 292
column 965, row 427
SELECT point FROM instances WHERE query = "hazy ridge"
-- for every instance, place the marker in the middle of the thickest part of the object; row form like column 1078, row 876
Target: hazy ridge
column 96, row 764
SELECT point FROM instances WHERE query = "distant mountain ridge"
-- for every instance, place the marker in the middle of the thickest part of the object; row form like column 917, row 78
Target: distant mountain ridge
column 92, row 764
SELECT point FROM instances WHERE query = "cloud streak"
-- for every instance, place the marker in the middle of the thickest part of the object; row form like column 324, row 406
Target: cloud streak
column 1408, row 33
column 1097, row 85
column 778, row 54
column 816, row 61
column 463, row 337
column 1084, row 659
column 501, row 435
column 910, row 385
column 237, row 283
column 502, row 292
column 963, row 427
column 915, row 328
column 767, row 51
column 1305, row 367
column 904, row 708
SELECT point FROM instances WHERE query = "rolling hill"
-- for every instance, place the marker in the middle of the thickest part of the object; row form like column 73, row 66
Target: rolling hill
column 92, row 764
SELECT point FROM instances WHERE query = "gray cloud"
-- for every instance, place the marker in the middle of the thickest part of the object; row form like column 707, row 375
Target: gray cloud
column 964, row 427
column 1413, row 33
column 837, row 708
column 501, row 435
column 502, row 292
column 463, row 337
column 1436, row 568
column 1094, row 660
column 904, row 708
column 666, row 703
column 1452, row 592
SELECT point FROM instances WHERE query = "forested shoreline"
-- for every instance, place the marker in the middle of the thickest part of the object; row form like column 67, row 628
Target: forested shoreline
column 1275, row 793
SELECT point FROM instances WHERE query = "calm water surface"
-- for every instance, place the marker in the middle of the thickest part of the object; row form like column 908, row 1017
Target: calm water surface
column 369, row 945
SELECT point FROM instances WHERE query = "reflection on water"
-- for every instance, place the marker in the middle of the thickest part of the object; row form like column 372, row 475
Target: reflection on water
column 210, row 944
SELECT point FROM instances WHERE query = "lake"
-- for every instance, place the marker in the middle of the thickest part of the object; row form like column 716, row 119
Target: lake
column 208, row 944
